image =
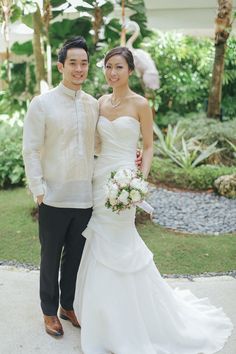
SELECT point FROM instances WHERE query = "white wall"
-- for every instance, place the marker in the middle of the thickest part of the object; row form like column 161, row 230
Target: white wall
column 189, row 16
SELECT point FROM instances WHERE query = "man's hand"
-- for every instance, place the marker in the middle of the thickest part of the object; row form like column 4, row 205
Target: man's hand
column 40, row 199
column 139, row 158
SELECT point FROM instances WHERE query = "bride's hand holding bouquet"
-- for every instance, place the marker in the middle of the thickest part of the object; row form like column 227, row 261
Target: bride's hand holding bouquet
column 126, row 188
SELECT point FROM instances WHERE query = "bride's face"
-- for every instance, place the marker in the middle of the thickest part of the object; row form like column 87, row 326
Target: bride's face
column 117, row 71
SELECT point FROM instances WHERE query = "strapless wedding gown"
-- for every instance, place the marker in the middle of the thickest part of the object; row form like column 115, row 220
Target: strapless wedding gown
column 124, row 305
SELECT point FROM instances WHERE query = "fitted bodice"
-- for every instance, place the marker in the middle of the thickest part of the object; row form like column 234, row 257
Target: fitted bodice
column 123, row 251
column 119, row 137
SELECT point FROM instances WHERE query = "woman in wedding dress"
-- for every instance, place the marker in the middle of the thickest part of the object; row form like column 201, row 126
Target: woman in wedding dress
column 125, row 307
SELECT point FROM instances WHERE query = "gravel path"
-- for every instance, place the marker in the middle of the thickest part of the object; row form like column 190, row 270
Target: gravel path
column 204, row 213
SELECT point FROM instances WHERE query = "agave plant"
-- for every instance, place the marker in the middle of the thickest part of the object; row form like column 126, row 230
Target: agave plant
column 233, row 146
column 190, row 157
column 185, row 153
column 166, row 142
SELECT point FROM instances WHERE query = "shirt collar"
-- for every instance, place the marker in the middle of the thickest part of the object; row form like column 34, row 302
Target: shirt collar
column 68, row 91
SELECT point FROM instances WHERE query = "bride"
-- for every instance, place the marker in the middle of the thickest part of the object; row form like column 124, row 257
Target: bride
column 125, row 307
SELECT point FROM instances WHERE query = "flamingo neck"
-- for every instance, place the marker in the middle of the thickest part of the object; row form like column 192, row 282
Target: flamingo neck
column 131, row 40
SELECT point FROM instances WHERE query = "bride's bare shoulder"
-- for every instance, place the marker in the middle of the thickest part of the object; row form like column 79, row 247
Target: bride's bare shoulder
column 140, row 101
column 104, row 99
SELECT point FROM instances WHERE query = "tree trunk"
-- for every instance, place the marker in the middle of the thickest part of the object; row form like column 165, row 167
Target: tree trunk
column 40, row 71
column 123, row 31
column 47, row 16
column 222, row 31
column 6, row 13
column 214, row 101
column 97, row 23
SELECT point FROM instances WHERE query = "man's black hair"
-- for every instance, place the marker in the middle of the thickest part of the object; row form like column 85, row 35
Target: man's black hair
column 76, row 42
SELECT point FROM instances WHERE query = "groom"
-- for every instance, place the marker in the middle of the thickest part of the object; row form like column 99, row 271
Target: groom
column 58, row 151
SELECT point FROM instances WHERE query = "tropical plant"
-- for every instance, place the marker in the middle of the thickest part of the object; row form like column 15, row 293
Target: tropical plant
column 191, row 155
column 210, row 129
column 166, row 142
column 11, row 162
column 165, row 171
column 233, row 146
column 184, row 65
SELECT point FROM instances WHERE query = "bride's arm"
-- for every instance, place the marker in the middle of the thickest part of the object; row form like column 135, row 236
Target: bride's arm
column 146, row 121
column 97, row 145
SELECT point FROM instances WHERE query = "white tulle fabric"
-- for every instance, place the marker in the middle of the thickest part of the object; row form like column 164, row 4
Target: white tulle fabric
column 125, row 307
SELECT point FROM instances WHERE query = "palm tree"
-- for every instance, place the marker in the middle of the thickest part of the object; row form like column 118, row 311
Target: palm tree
column 37, row 46
column 223, row 27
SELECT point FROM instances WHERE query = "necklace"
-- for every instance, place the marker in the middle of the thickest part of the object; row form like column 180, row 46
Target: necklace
column 114, row 105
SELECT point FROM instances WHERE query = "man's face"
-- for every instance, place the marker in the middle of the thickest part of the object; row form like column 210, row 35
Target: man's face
column 75, row 68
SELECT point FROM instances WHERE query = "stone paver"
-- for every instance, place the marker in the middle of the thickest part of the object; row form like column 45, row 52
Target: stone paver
column 21, row 326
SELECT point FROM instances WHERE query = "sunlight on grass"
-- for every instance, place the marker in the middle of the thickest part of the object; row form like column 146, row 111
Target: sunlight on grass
column 174, row 253
column 189, row 254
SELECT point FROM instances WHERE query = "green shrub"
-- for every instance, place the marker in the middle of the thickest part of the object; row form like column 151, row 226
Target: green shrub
column 163, row 120
column 165, row 172
column 172, row 118
column 11, row 161
column 198, row 124
column 185, row 66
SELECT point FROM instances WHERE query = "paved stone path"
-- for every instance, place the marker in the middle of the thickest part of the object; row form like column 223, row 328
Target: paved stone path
column 21, row 324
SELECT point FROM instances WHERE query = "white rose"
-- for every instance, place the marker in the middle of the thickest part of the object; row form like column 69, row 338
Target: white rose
column 139, row 184
column 144, row 187
column 119, row 174
column 128, row 173
column 136, row 183
column 123, row 177
column 113, row 191
column 113, row 201
column 135, row 196
column 123, row 197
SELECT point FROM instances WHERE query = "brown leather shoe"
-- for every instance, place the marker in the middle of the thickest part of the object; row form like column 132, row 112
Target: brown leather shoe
column 53, row 326
column 69, row 315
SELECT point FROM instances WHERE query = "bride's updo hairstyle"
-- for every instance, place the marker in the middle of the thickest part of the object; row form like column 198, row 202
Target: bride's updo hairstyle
column 124, row 52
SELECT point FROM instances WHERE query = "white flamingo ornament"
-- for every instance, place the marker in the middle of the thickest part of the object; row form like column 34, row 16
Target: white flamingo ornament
column 144, row 64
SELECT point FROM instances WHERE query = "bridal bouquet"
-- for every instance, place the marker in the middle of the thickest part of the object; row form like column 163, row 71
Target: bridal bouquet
column 124, row 189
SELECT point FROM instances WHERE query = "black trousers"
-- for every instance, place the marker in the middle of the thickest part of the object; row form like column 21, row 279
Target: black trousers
column 62, row 243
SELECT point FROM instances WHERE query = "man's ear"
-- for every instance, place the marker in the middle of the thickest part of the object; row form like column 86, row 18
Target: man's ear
column 60, row 67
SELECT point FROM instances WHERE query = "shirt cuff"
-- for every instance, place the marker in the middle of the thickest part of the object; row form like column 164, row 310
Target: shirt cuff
column 39, row 190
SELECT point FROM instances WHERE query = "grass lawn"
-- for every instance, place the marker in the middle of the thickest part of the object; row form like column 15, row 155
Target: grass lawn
column 174, row 253
column 18, row 231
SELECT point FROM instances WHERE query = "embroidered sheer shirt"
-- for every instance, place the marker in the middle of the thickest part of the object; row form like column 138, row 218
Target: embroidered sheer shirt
column 58, row 146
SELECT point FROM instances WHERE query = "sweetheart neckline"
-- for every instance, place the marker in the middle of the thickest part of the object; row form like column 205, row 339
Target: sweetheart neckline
column 123, row 116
